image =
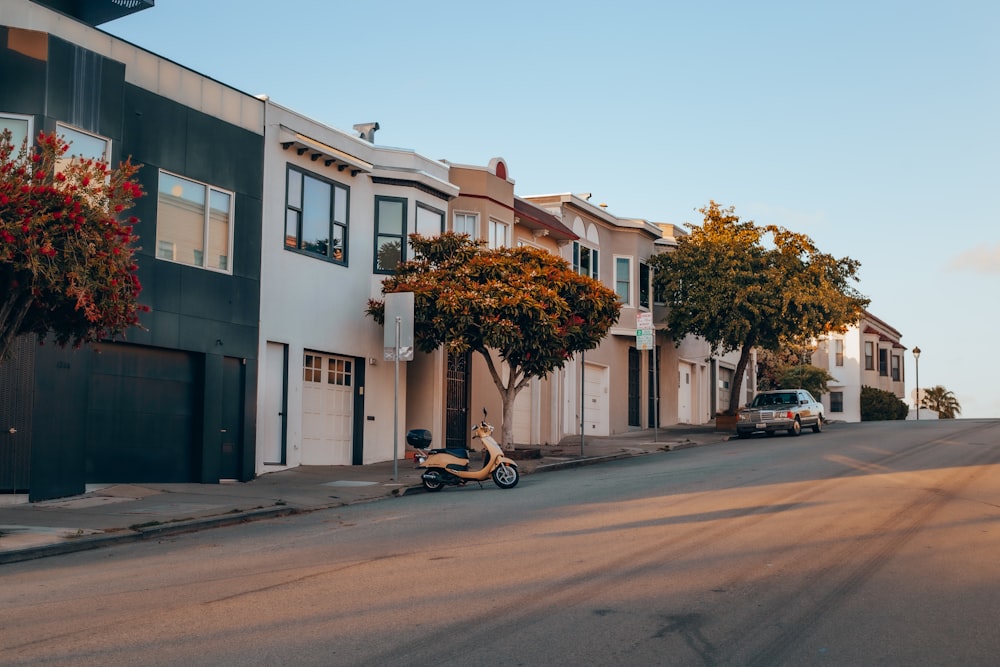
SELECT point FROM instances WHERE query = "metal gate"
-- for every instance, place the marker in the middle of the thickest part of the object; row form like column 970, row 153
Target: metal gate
column 634, row 418
column 16, row 390
column 457, row 402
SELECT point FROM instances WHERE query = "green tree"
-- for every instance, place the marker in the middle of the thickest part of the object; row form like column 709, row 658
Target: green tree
column 741, row 286
column 525, row 304
column 880, row 405
column 804, row 376
column 66, row 259
column 941, row 401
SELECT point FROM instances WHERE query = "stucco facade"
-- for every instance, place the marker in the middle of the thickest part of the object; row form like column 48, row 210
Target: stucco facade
column 867, row 354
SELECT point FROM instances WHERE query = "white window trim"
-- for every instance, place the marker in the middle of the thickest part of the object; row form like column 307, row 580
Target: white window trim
column 61, row 129
column 30, row 131
column 206, row 222
column 495, row 224
column 471, row 214
column 630, row 301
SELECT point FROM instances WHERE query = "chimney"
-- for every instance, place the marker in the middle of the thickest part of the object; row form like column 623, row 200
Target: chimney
column 367, row 131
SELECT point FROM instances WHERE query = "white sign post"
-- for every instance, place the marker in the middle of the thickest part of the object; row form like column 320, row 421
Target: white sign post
column 645, row 339
column 398, row 343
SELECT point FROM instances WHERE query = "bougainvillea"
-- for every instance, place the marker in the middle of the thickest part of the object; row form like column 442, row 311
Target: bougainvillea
column 67, row 264
column 524, row 305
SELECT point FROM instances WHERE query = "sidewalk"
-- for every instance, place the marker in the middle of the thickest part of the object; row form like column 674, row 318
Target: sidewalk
column 123, row 513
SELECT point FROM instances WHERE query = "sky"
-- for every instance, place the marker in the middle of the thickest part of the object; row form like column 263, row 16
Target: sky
column 872, row 126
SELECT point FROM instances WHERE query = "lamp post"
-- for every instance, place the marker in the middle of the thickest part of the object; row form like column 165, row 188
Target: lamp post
column 916, row 360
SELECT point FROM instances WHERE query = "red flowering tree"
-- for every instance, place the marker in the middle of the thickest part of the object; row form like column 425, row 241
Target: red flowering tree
column 66, row 258
column 524, row 306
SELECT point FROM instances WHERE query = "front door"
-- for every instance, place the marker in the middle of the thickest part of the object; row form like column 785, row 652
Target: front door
column 231, row 431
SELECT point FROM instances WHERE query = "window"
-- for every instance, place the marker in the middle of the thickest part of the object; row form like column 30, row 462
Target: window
column 836, row 401
column 883, row 362
column 466, row 223
column 82, row 144
column 194, row 223
column 644, row 275
column 390, row 230
column 838, row 351
column 585, row 259
column 498, row 234
column 21, row 128
column 623, row 279
column 339, row 372
column 869, row 356
column 430, row 221
column 895, row 367
column 316, row 216
column 312, row 368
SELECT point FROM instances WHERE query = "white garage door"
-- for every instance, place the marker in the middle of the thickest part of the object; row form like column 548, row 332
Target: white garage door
column 327, row 409
column 596, row 407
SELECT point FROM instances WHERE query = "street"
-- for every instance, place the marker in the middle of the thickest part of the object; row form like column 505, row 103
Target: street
column 873, row 543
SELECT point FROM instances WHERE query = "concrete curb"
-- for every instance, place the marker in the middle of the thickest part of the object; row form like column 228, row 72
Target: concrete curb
column 165, row 529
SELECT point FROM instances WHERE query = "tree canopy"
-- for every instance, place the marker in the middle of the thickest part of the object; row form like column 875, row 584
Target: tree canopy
column 525, row 304
column 739, row 286
column 940, row 400
column 66, row 260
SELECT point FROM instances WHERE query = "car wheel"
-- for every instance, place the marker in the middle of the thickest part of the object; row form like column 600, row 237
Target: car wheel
column 818, row 426
column 796, row 428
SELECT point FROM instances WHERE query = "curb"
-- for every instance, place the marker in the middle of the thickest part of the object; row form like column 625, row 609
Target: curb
column 161, row 530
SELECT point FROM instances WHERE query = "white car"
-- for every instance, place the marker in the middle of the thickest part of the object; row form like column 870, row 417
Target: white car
column 787, row 410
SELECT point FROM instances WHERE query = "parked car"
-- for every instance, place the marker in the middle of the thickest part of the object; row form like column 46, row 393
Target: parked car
column 780, row 410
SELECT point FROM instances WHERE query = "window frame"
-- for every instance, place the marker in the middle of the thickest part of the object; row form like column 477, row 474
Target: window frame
column 595, row 259
column 645, row 292
column 836, row 401
column 63, row 128
column 626, row 284
column 403, row 243
column 495, row 225
column 206, row 224
column 894, row 367
column 466, row 216
column 838, row 351
column 29, row 132
column 883, row 362
column 334, row 226
column 869, row 355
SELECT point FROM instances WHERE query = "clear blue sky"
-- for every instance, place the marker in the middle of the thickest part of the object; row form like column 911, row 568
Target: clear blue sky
column 872, row 126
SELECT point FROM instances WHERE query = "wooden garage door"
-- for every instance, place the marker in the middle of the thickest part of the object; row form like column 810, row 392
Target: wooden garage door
column 327, row 409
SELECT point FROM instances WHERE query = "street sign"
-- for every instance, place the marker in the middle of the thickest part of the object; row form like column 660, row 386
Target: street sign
column 398, row 322
column 644, row 331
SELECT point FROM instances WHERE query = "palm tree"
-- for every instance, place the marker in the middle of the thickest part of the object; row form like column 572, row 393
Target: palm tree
column 941, row 401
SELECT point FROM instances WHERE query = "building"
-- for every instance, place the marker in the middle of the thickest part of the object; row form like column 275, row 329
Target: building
column 337, row 213
column 176, row 401
column 866, row 354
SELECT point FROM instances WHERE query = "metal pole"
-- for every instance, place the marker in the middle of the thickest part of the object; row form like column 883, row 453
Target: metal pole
column 395, row 413
column 917, row 361
column 656, row 390
column 583, row 367
column 656, row 377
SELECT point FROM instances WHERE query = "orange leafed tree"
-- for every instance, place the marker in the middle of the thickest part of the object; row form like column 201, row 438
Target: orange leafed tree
column 67, row 251
column 523, row 306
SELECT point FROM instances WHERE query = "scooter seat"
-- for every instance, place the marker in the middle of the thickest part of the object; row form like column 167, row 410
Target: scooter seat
column 456, row 452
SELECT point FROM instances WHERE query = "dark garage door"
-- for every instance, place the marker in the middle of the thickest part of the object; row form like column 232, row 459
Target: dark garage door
column 141, row 416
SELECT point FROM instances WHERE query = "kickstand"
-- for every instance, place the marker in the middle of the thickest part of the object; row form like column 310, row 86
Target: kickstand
column 480, row 484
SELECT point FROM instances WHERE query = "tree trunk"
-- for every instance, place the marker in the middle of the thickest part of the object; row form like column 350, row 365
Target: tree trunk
column 737, row 388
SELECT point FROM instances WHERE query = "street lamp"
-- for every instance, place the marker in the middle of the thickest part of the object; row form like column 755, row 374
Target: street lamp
column 916, row 360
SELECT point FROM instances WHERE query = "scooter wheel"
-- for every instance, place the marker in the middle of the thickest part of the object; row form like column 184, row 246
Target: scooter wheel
column 506, row 476
column 432, row 485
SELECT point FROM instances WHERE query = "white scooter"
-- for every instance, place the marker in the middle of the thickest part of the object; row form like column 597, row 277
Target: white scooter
column 451, row 466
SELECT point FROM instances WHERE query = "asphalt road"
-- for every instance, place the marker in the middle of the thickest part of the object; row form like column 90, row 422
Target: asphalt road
column 868, row 544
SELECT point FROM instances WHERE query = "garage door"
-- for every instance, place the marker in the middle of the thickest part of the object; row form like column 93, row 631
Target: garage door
column 141, row 415
column 327, row 409
column 596, row 414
